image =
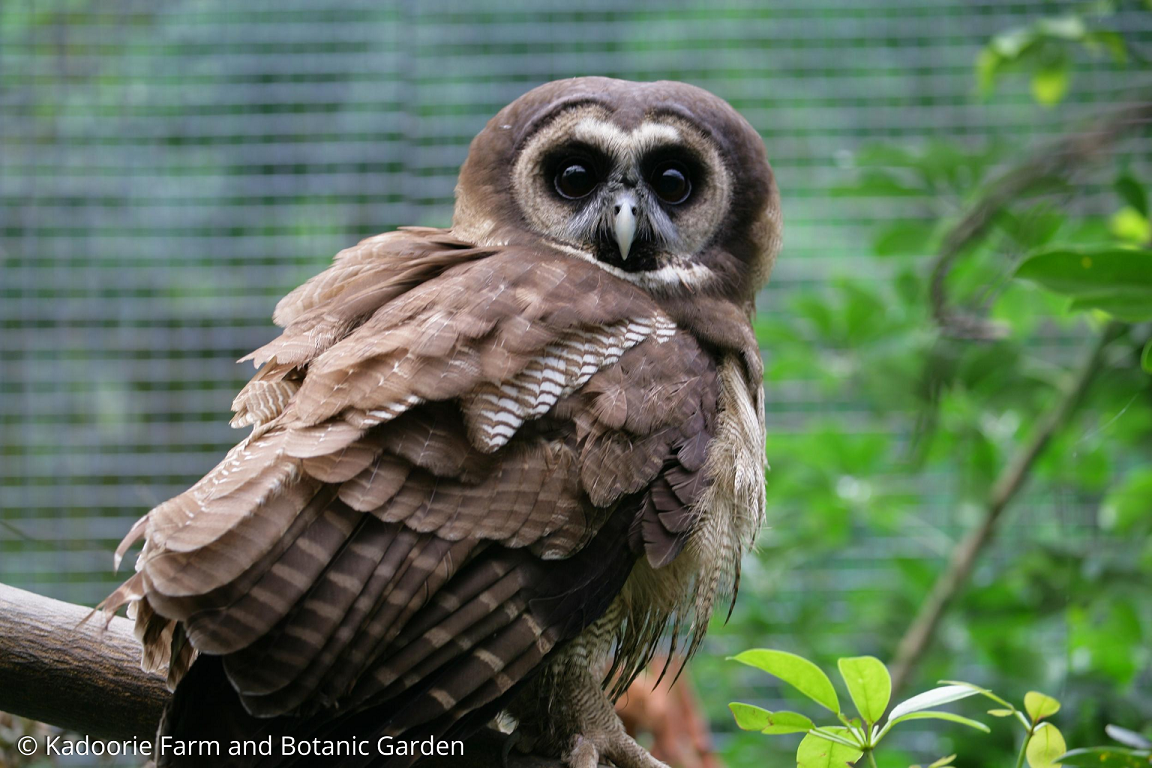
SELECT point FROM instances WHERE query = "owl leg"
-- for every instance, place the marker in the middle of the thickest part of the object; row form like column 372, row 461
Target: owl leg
column 566, row 713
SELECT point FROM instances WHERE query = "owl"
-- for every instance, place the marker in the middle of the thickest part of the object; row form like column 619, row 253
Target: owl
column 490, row 467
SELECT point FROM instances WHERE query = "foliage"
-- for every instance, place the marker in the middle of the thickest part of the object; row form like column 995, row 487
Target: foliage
column 1044, row 50
column 1060, row 600
column 870, row 687
column 1135, row 752
column 1113, row 279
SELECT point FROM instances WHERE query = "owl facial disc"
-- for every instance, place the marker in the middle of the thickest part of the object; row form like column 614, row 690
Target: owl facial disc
column 661, row 184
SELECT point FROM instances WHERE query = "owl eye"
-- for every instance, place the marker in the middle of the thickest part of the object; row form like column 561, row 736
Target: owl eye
column 670, row 182
column 575, row 179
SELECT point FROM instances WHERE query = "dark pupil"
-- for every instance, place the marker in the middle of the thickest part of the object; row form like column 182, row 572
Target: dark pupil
column 671, row 184
column 575, row 180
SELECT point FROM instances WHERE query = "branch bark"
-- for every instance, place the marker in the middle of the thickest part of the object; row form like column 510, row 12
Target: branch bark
column 58, row 669
column 955, row 576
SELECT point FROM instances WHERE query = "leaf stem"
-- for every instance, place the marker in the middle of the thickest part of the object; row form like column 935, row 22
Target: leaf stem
column 871, row 758
column 1024, row 749
column 857, row 733
column 827, row 736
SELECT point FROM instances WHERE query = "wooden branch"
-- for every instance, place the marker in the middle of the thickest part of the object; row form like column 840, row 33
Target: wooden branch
column 955, row 576
column 58, row 670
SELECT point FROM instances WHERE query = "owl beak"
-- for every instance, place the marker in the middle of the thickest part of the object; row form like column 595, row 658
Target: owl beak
column 625, row 223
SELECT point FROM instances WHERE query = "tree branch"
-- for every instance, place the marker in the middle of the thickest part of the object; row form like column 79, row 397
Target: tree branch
column 59, row 669
column 952, row 581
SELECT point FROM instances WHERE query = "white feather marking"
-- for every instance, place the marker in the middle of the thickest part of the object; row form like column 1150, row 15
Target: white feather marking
column 564, row 367
column 550, row 388
column 554, row 376
column 507, row 402
column 664, row 280
column 636, row 142
column 507, row 418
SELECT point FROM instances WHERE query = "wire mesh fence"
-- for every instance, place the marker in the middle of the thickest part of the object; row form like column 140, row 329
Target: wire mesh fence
column 168, row 170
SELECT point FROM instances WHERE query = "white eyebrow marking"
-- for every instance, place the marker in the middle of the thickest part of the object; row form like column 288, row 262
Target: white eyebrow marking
column 643, row 137
column 589, row 129
column 651, row 133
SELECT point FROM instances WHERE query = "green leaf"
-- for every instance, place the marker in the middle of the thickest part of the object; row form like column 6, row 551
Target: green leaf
column 1146, row 357
column 752, row 718
column 869, row 685
column 1070, row 27
column 1124, row 510
column 749, row 717
column 1132, row 193
column 1105, row 757
column 1111, row 41
column 795, row 670
column 932, row 698
column 815, row 752
column 1046, row 745
column 993, row 712
column 988, row 65
column 1108, row 637
column 1135, row 309
column 934, row 715
column 1050, row 84
column 1130, row 225
column 1091, row 272
column 1113, row 279
column 905, row 238
column 874, row 182
column 788, row 722
column 1039, row 706
column 1031, row 228
column 1012, row 43
column 944, row 761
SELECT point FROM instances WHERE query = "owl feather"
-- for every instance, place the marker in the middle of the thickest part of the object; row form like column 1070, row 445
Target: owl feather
column 487, row 458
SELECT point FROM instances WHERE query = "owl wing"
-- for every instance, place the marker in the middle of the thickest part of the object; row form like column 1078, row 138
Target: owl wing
column 458, row 455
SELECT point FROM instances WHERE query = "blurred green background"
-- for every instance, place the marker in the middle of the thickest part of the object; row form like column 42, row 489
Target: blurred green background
column 168, row 170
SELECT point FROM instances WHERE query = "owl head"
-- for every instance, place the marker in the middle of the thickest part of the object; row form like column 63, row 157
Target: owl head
column 662, row 184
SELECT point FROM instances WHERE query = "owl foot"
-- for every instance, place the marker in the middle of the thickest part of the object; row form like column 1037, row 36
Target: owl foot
column 567, row 714
column 617, row 746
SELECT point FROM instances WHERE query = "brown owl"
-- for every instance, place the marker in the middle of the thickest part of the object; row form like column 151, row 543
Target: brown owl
column 490, row 466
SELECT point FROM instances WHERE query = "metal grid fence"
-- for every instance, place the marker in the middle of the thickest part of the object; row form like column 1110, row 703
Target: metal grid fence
column 168, row 170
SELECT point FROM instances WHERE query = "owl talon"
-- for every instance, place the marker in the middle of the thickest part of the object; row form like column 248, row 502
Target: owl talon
column 583, row 755
column 616, row 746
column 567, row 714
column 506, row 749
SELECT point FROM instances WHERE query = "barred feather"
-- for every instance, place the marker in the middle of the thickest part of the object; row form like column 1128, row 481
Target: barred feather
column 454, row 467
